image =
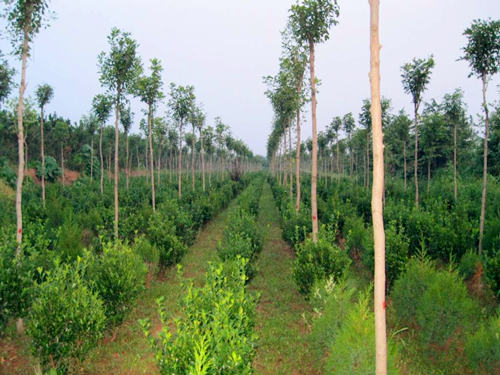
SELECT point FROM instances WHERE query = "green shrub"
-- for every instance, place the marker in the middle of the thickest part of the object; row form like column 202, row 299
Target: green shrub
column 396, row 252
column 117, row 276
column 69, row 241
column 469, row 264
column 482, row 347
column 7, row 173
column 353, row 349
column 215, row 334
column 66, row 319
column 244, row 224
column 492, row 265
column 162, row 234
column 317, row 261
column 52, row 170
column 234, row 245
column 435, row 303
column 147, row 252
column 359, row 239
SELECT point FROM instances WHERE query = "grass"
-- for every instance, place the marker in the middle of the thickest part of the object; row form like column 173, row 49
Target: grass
column 283, row 347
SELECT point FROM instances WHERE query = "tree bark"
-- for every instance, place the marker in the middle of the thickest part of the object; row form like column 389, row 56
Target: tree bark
column 151, row 159
column 485, row 165
column 127, row 165
column 202, row 161
column 179, row 161
column 455, row 187
column 20, row 141
column 377, row 194
column 297, row 164
column 42, row 155
column 117, row 140
column 192, row 160
column 416, row 154
column 102, row 160
column 290, row 161
column 314, row 174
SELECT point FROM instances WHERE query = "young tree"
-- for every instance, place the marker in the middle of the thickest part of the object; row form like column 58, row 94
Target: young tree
column 101, row 107
column 334, row 131
column 25, row 19
column 44, row 94
column 181, row 103
column 482, row 52
column 149, row 90
column 348, row 124
column 119, row 69
column 126, row 118
column 378, row 193
column 311, row 21
column 453, row 108
column 415, row 78
column 199, row 121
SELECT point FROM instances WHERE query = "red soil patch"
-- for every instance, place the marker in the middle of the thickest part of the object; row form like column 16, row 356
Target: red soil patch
column 69, row 176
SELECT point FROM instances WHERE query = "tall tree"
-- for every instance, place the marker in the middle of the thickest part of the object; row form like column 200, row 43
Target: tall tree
column 482, row 52
column 44, row 94
column 126, row 118
column 181, row 103
column 149, row 90
column 348, row 124
column 415, row 78
column 454, row 112
column 25, row 19
column 119, row 70
column 311, row 21
column 378, row 193
column 101, row 107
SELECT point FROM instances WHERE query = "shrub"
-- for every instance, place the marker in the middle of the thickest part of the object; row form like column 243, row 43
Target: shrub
column 147, row 252
column 117, row 276
column 296, row 226
column 234, row 245
column 162, row 234
column 69, row 241
column 66, row 319
column 469, row 263
column 244, row 224
column 492, row 265
column 436, row 304
column 353, row 351
column 215, row 335
column 317, row 261
column 52, row 170
column 482, row 347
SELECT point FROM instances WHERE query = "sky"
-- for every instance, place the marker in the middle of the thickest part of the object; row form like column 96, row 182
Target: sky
column 225, row 47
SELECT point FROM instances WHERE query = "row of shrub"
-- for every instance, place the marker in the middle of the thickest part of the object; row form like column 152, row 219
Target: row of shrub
column 216, row 332
column 69, row 295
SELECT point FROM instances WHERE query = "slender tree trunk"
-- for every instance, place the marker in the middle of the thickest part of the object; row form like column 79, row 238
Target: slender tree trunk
column 92, row 157
column 42, row 155
column 404, row 163
column 62, row 163
column 297, row 165
column 20, row 144
column 127, row 164
column 117, row 141
column 202, row 161
column 192, row 160
column 455, row 187
column 377, row 195
column 285, row 160
column 151, row 159
column 102, row 160
column 179, row 169
column 416, row 154
column 485, row 165
column 290, row 161
column 314, row 174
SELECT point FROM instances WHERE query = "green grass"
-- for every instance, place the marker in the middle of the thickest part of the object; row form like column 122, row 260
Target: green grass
column 283, row 346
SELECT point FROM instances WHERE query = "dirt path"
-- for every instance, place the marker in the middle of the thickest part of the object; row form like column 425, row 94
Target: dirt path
column 283, row 348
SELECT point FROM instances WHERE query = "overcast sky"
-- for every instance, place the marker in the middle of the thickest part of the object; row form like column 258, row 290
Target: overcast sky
column 225, row 47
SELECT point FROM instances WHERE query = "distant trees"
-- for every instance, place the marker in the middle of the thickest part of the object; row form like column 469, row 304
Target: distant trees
column 6, row 80
column 311, row 21
column 415, row 78
column 44, row 94
column 119, row 70
column 126, row 119
column 482, row 52
column 101, row 107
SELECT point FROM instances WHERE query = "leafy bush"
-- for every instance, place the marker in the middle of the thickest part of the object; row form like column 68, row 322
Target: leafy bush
column 353, row 349
column 492, row 265
column 435, row 303
column 7, row 173
column 147, row 252
column 66, row 319
column 215, row 335
column 52, row 170
column 234, row 245
column 117, row 276
column 482, row 348
column 317, row 261
column 469, row 264
column 162, row 234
